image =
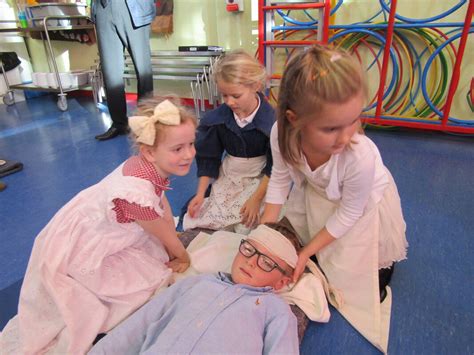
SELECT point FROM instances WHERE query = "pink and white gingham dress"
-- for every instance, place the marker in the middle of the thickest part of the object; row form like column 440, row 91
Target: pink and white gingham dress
column 87, row 272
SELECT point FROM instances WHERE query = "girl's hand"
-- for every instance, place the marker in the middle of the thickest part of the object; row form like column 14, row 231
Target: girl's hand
column 179, row 264
column 250, row 212
column 300, row 266
column 195, row 205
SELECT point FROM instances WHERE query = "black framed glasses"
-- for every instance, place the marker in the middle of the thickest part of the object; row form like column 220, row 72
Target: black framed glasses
column 264, row 262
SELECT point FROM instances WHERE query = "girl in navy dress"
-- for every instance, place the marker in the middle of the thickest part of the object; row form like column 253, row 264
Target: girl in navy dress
column 233, row 149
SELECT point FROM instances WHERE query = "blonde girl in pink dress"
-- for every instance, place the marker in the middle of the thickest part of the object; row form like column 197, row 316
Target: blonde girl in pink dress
column 338, row 194
column 106, row 252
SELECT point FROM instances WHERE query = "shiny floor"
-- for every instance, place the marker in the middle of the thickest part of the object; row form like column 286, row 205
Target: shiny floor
column 433, row 306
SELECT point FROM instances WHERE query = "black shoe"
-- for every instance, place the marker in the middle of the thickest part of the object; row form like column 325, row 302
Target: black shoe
column 383, row 294
column 98, row 337
column 112, row 132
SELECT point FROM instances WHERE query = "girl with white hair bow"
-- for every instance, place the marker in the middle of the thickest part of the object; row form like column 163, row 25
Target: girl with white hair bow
column 106, row 252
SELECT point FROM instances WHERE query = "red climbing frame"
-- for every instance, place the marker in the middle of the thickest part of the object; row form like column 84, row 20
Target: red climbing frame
column 266, row 42
column 380, row 119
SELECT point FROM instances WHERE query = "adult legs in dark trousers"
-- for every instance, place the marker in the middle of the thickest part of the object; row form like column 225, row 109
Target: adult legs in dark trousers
column 115, row 32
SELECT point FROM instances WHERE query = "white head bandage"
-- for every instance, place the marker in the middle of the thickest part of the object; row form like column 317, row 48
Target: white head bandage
column 144, row 126
column 276, row 243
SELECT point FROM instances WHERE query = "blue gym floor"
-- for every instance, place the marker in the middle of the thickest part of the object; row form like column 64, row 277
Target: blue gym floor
column 433, row 291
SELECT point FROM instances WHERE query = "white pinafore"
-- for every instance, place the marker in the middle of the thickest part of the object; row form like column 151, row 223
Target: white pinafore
column 87, row 272
column 238, row 180
column 351, row 262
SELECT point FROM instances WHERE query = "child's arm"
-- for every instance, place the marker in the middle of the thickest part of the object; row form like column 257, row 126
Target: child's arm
column 319, row 241
column 209, row 150
column 280, row 182
column 250, row 211
column 271, row 213
column 164, row 229
column 181, row 261
column 357, row 187
column 161, row 229
column 195, row 204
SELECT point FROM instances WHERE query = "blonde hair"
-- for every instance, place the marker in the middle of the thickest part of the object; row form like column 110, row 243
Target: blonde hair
column 147, row 106
column 312, row 78
column 239, row 67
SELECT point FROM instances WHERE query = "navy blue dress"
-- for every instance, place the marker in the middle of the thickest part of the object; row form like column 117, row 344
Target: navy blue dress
column 236, row 157
column 218, row 133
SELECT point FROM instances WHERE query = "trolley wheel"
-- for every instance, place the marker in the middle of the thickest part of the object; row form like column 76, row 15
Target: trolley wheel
column 62, row 103
column 9, row 98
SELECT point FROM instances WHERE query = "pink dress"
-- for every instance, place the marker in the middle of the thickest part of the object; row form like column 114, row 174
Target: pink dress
column 87, row 272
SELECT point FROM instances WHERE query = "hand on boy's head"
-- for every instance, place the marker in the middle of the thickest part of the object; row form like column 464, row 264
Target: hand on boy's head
column 300, row 266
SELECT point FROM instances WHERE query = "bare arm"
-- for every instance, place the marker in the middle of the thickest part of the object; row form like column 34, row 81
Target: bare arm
column 279, row 185
column 262, row 188
column 196, row 203
column 203, row 183
column 271, row 213
column 164, row 230
column 250, row 211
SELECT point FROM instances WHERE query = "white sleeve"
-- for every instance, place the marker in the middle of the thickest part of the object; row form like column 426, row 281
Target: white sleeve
column 280, row 179
column 358, row 181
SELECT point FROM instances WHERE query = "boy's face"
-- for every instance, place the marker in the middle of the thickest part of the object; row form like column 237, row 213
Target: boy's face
column 245, row 270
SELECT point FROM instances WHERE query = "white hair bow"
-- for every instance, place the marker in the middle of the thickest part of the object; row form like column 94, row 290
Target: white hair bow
column 144, row 126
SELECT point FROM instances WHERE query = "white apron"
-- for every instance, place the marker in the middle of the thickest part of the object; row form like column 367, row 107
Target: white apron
column 238, row 179
column 351, row 263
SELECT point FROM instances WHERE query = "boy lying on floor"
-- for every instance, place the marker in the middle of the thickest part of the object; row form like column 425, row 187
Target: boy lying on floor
column 225, row 313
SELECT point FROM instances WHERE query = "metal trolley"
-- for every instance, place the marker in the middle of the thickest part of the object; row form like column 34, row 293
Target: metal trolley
column 8, row 97
column 44, row 26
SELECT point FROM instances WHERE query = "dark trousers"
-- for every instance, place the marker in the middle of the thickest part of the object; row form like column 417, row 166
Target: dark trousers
column 115, row 32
